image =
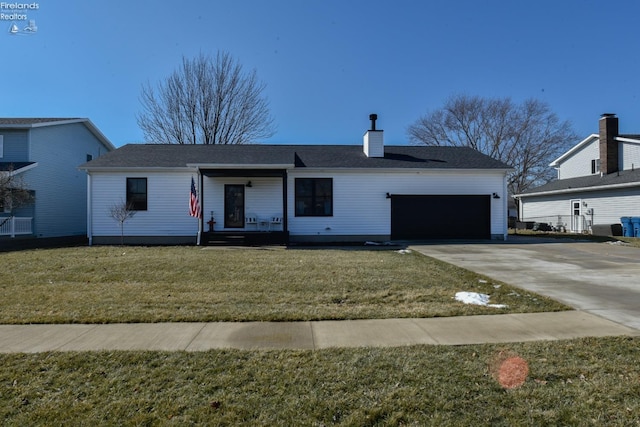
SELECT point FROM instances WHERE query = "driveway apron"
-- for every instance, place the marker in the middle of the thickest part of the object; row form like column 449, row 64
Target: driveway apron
column 599, row 278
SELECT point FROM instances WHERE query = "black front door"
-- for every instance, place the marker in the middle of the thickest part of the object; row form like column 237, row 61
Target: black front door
column 233, row 206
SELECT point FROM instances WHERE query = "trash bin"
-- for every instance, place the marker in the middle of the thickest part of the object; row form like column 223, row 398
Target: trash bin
column 635, row 221
column 627, row 226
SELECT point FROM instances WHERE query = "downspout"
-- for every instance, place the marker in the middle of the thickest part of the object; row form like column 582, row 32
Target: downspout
column 89, row 210
column 505, row 207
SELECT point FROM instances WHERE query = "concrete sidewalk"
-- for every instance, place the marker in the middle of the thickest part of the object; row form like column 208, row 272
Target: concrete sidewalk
column 308, row 335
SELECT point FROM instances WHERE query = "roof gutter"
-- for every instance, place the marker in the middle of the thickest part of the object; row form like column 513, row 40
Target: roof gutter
column 239, row 166
column 134, row 169
column 626, row 139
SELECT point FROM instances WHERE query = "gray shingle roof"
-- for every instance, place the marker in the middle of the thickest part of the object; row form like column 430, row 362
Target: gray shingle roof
column 589, row 182
column 310, row 156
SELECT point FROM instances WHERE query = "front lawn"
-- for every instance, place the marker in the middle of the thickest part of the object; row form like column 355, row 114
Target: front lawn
column 156, row 284
column 585, row 382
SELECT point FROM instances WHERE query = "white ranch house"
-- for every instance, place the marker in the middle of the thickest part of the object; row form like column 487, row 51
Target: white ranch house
column 297, row 193
column 598, row 184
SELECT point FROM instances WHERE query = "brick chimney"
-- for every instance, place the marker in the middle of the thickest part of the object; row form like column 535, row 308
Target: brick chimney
column 608, row 127
column 373, row 139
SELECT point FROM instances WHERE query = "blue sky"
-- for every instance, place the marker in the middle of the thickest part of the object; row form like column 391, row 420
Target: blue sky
column 329, row 64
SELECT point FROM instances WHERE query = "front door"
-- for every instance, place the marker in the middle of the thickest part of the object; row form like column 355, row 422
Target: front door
column 576, row 218
column 233, row 206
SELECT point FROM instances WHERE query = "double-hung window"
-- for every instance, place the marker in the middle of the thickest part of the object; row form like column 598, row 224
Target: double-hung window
column 137, row 194
column 314, row 196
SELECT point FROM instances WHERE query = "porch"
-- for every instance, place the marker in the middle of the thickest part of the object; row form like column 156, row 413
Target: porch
column 13, row 226
column 243, row 207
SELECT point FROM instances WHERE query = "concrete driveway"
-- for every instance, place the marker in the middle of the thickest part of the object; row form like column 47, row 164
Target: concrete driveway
column 599, row 278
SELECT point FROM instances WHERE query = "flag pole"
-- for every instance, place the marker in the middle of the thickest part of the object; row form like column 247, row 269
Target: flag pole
column 200, row 216
column 195, row 207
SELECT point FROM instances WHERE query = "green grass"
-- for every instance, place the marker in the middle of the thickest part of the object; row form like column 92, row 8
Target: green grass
column 576, row 382
column 154, row 284
column 585, row 382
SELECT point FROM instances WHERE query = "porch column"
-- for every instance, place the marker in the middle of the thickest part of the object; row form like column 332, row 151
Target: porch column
column 285, row 223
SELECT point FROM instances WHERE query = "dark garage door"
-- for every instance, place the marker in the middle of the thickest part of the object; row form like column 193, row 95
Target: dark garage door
column 440, row 217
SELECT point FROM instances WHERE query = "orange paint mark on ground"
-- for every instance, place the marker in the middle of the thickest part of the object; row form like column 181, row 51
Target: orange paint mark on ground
column 511, row 371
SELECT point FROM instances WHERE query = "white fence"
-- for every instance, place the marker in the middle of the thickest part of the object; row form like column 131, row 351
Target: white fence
column 563, row 223
column 13, row 226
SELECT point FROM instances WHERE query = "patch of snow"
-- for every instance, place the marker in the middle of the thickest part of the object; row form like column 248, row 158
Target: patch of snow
column 476, row 298
column 404, row 251
column 482, row 281
column 618, row 243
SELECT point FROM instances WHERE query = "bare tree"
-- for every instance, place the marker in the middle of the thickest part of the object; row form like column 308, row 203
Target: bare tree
column 526, row 136
column 207, row 100
column 14, row 193
column 121, row 212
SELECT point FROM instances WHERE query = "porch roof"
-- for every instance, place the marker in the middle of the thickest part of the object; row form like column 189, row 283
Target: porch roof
column 15, row 167
column 243, row 172
column 261, row 156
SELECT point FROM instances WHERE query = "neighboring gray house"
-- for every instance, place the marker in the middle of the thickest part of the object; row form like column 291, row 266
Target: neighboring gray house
column 44, row 154
column 298, row 193
column 598, row 183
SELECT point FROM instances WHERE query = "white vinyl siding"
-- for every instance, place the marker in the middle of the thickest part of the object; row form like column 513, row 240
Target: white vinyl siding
column 629, row 155
column 607, row 206
column 579, row 164
column 360, row 205
column 167, row 211
column 599, row 206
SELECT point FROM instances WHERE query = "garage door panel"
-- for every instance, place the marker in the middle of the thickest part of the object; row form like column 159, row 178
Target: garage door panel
column 440, row 217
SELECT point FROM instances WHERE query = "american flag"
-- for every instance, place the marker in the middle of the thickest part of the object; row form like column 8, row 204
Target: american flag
column 194, row 203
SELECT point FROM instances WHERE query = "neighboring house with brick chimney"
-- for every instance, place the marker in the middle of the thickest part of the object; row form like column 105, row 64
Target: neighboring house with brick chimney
column 254, row 194
column 42, row 155
column 598, row 183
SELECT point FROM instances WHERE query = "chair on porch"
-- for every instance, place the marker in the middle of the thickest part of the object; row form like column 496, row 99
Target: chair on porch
column 251, row 220
column 275, row 222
